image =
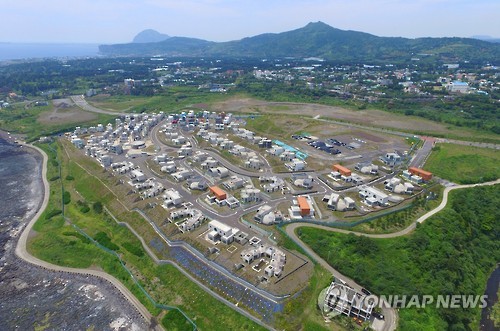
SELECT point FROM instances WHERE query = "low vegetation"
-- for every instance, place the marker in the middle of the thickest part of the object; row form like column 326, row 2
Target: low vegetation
column 464, row 164
column 22, row 119
column 451, row 253
column 58, row 242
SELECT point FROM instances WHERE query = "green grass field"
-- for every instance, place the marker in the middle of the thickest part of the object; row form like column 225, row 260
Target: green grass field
column 59, row 243
column 172, row 99
column 452, row 253
column 28, row 121
column 464, row 164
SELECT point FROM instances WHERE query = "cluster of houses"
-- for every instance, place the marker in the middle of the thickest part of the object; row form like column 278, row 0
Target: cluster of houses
column 274, row 267
column 417, row 175
column 335, row 201
column 396, row 185
column 344, row 174
column 292, row 162
column 268, row 216
column 192, row 218
column 272, row 183
column 250, row 157
column 147, row 187
column 248, row 193
column 101, row 142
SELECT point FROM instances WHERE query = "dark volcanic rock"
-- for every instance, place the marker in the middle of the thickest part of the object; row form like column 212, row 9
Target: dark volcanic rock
column 33, row 297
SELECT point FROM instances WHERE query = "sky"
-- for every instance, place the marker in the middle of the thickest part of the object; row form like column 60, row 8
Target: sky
column 118, row 21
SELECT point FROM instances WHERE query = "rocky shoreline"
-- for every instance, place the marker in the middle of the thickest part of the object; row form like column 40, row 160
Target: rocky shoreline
column 42, row 298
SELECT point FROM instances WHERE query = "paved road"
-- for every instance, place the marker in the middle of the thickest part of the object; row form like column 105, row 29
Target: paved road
column 22, row 252
column 390, row 314
column 80, row 101
column 423, row 152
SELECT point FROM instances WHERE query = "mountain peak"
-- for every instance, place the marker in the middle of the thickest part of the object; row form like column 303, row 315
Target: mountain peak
column 150, row 36
column 317, row 26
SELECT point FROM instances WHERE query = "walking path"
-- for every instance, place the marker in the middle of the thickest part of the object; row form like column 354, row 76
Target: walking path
column 390, row 314
column 23, row 253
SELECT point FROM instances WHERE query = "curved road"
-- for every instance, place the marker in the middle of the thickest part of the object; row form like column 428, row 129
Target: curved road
column 390, row 314
column 22, row 252
column 80, row 101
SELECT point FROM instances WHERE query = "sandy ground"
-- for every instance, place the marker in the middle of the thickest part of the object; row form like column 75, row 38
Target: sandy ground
column 65, row 111
column 366, row 117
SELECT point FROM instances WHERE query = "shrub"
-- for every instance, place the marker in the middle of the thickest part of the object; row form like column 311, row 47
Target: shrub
column 97, row 207
column 103, row 239
column 53, row 213
column 137, row 251
column 66, row 197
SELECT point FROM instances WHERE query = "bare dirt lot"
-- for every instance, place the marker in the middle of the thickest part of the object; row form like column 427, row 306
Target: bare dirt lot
column 365, row 117
column 65, row 112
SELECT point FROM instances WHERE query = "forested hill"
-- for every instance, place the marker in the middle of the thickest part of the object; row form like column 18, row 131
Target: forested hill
column 317, row 40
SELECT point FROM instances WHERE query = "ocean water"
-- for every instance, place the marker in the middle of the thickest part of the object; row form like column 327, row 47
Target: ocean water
column 32, row 297
column 16, row 51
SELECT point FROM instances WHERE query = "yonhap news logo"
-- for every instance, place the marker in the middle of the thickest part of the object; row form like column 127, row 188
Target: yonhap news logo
column 342, row 299
column 453, row 301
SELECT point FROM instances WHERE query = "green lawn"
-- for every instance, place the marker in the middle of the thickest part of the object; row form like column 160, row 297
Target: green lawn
column 452, row 253
column 59, row 243
column 464, row 164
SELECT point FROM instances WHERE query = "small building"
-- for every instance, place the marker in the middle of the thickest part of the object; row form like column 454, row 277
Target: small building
column 305, row 207
column 342, row 170
column 457, row 87
column 232, row 202
column 219, row 231
column 336, row 202
column 137, row 176
column 218, row 193
column 234, row 183
column 250, row 194
column 296, row 165
column 373, row 196
column 391, row 159
column 220, row 172
column 425, row 175
column 172, row 198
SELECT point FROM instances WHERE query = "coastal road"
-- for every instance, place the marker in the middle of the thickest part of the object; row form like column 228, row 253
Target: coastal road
column 22, row 252
column 390, row 314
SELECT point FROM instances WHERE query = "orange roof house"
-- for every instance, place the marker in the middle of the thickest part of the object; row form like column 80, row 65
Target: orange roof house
column 305, row 209
column 343, row 170
column 219, row 194
column 426, row 175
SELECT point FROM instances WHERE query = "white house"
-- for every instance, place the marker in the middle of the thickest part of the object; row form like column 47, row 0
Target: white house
column 296, row 165
column 219, row 231
column 137, row 176
column 373, row 196
column 172, row 198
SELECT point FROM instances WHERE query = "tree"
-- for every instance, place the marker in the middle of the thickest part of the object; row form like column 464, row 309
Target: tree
column 97, row 207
